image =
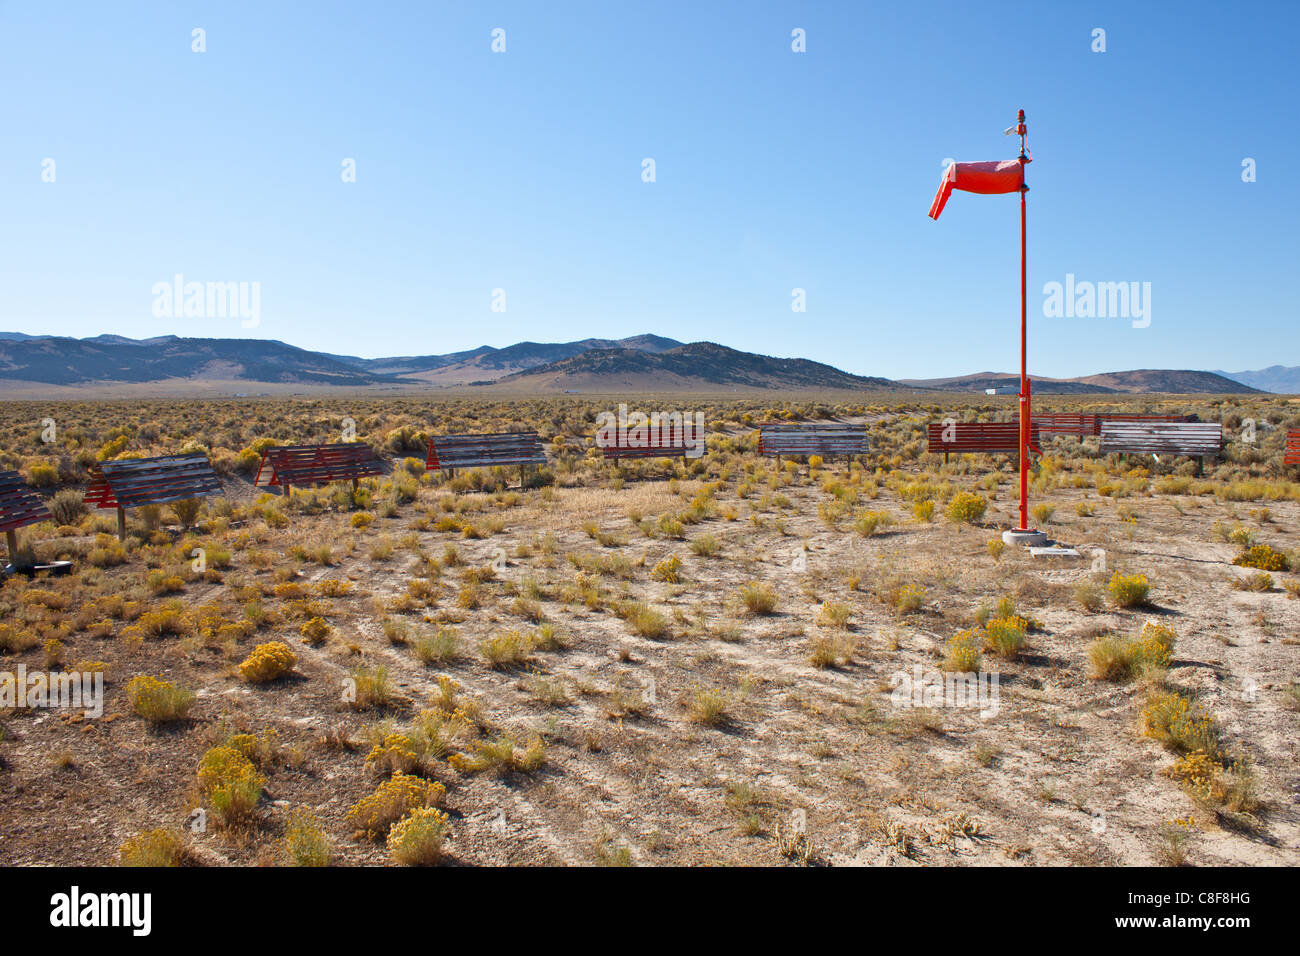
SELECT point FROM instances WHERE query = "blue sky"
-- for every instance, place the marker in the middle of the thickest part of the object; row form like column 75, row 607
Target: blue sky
column 774, row 170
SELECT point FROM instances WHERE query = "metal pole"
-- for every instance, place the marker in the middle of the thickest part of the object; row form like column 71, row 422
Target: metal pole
column 1026, row 412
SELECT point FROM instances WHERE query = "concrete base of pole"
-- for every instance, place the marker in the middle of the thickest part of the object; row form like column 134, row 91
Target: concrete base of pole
column 1026, row 539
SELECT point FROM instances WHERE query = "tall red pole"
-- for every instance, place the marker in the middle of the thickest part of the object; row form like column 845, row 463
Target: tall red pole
column 1026, row 413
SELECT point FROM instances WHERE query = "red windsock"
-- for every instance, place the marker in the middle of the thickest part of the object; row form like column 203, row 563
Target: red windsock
column 1006, row 176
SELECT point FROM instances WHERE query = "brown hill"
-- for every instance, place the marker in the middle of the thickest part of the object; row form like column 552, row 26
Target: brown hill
column 700, row 366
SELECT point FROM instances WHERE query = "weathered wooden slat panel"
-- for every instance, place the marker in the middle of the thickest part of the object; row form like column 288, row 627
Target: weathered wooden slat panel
column 1083, row 425
column 1162, row 438
column 19, row 505
column 826, row 439
column 1065, row 424
column 485, row 450
column 130, row 483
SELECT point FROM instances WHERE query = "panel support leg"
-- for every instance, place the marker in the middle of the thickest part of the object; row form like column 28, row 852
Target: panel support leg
column 11, row 539
column 121, row 523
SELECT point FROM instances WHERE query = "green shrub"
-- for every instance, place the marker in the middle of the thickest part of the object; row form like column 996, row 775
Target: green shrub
column 154, row 848
column 305, row 841
column 68, row 507
column 758, row 598
column 506, row 650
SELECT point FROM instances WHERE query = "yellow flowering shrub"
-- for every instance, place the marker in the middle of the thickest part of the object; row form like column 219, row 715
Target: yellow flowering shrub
column 396, row 753
column 391, row 801
column 1180, row 724
column 158, row 701
column 1261, row 557
column 1119, row 659
column 267, row 662
column 1155, row 645
column 962, row 652
column 260, row 750
column 668, row 570
column 416, row 839
column 1128, row 590
column 906, row 598
column 967, row 507
column 314, row 631
column 305, row 841
column 1005, row 636
column 230, row 784
column 1196, row 772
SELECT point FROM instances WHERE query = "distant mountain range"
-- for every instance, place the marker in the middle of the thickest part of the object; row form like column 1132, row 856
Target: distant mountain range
column 1275, row 378
column 38, row 365
column 1171, row 381
column 488, row 364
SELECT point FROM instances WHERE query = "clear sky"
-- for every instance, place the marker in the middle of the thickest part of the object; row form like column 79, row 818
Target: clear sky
column 774, row 170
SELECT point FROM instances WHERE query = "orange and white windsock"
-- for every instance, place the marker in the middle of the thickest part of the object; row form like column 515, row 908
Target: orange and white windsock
column 1005, row 176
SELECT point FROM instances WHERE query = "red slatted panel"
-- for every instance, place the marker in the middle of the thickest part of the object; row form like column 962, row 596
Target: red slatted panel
column 19, row 505
column 1292, row 456
column 980, row 437
column 486, row 450
column 647, row 451
column 1162, row 438
column 1063, row 424
column 99, row 494
column 1060, row 423
column 654, row 446
column 1142, row 417
column 131, row 482
column 316, row 464
column 829, row 440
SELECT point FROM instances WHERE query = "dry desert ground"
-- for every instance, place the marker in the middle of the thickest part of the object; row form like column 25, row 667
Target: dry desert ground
column 674, row 663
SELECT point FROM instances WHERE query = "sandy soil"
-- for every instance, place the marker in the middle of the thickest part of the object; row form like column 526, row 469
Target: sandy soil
column 814, row 765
